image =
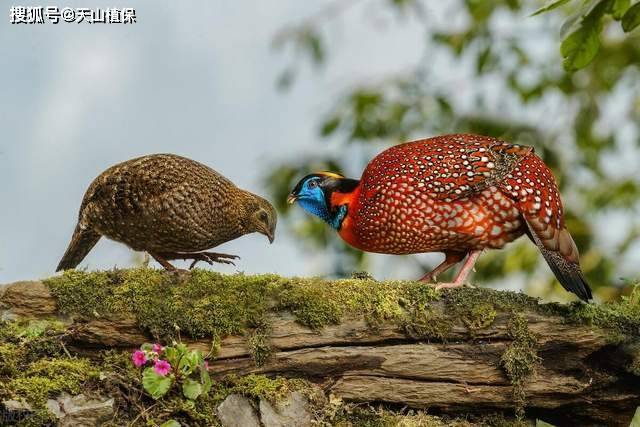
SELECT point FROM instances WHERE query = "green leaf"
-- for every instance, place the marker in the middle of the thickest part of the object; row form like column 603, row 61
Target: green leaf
column 619, row 7
column 191, row 389
column 312, row 42
column 330, row 126
column 190, row 362
column 483, row 59
column 146, row 346
column 581, row 46
column 154, row 384
column 172, row 355
column 181, row 348
column 205, row 379
column 631, row 19
column 550, row 6
column 170, row 423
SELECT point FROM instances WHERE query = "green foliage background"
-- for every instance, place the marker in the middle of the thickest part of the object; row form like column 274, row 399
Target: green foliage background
column 559, row 103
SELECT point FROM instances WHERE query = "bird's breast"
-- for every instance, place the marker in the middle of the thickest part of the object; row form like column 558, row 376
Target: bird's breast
column 402, row 219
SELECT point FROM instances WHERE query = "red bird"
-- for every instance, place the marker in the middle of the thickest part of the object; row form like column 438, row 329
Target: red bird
column 457, row 194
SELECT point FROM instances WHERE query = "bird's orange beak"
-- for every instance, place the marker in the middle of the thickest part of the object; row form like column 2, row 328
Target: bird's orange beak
column 292, row 198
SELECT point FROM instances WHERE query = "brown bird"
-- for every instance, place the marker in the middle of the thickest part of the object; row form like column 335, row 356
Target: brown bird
column 169, row 206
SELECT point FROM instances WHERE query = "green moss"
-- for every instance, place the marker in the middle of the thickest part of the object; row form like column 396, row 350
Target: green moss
column 479, row 316
column 83, row 293
column 262, row 387
column 349, row 415
column 259, row 345
column 22, row 342
column 10, row 357
column 50, row 377
column 427, row 323
column 520, row 358
column 38, row 418
column 622, row 317
column 209, row 304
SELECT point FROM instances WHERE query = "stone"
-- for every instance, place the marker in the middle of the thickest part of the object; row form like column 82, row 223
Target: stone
column 237, row 411
column 83, row 412
column 14, row 411
column 54, row 407
column 293, row 411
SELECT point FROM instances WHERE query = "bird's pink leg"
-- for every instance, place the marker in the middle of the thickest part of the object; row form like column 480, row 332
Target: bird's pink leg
column 451, row 259
column 463, row 273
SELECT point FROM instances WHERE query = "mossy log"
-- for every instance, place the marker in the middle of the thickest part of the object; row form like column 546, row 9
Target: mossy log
column 458, row 352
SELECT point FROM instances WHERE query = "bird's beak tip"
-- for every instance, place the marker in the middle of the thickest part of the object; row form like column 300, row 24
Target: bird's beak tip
column 291, row 198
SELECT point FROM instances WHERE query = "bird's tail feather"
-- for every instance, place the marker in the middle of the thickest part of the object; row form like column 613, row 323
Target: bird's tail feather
column 561, row 253
column 81, row 243
column 535, row 191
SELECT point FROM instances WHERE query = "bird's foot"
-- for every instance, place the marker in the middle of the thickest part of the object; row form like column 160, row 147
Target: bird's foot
column 429, row 278
column 211, row 257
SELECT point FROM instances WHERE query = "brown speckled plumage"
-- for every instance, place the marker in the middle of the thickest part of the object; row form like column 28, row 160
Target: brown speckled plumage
column 169, row 206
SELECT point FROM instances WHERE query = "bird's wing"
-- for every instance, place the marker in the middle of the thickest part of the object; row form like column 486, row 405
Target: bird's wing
column 132, row 185
column 447, row 168
column 477, row 168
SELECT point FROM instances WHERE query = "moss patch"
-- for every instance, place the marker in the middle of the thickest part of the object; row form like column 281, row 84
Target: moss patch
column 262, row 387
column 50, row 377
column 209, row 304
column 349, row 415
column 259, row 345
column 520, row 358
column 622, row 317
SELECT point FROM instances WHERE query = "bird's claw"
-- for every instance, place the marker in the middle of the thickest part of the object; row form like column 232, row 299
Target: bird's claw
column 428, row 278
column 211, row 257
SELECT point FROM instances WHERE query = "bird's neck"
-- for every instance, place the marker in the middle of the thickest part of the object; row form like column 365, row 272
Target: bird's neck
column 339, row 200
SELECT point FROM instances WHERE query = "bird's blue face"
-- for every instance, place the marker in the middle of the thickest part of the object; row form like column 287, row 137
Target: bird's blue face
column 310, row 195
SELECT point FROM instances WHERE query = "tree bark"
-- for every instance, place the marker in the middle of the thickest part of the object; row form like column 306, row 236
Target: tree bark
column 581, row 377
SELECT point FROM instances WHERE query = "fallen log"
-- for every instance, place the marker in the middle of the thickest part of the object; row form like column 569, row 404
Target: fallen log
column 402, row 344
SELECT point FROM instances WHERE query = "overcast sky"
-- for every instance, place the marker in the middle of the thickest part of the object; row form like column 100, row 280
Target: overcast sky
column 195, row 78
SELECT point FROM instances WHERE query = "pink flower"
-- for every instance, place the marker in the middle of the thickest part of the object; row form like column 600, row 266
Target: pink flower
column 139, row 358
column 206, row 365
column 157, row 348
column 162, row 367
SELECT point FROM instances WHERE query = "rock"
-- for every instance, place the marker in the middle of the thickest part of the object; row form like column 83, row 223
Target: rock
column 13, row 411
column 237, row 411
column 80, row 411
column 54, row 407
column 292, row 412
column 15, row 405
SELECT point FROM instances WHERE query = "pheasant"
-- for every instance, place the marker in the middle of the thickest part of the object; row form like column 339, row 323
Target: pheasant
column 456, row 194
column 170, row 206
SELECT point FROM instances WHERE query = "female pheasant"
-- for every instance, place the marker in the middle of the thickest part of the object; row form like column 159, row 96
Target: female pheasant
column 169, row 206
column 457, row 194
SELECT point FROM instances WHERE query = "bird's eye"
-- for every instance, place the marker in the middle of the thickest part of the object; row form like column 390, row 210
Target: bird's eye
column 313, row 184
column 263, row 216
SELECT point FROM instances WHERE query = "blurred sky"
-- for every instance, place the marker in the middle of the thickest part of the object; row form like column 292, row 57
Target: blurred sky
column 195, row 78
